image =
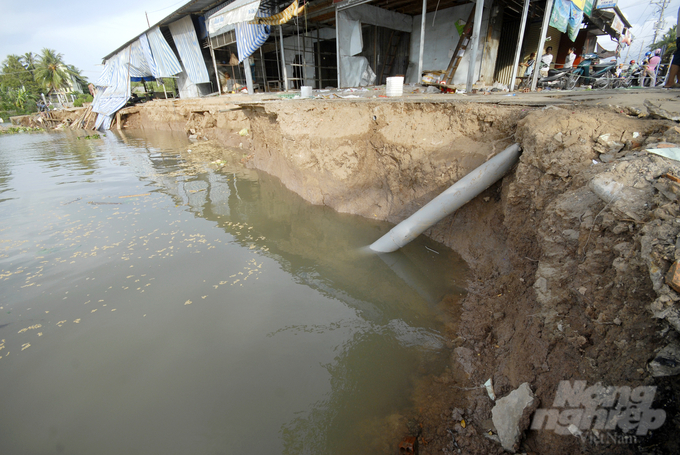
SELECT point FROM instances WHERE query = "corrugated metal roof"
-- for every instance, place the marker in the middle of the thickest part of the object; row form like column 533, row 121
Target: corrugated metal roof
column 197, row 7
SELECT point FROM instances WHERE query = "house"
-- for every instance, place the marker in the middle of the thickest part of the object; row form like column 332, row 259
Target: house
column 211, row 47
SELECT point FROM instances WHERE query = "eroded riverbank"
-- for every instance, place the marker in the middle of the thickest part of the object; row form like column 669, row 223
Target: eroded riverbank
column 567, row 285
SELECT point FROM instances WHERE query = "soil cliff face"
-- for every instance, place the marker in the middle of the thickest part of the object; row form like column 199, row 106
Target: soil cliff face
column 371, row 158
column 568, row 272
column 567, row 290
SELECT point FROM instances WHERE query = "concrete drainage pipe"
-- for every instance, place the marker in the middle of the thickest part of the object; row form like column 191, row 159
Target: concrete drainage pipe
column 457, row 195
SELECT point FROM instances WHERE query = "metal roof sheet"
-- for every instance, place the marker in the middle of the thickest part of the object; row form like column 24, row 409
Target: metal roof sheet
column 197, row 7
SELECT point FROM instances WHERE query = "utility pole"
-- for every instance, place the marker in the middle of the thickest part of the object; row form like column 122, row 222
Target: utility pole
column 642, row 47
column 659, row 24
column 632, row 38
column 147, row 19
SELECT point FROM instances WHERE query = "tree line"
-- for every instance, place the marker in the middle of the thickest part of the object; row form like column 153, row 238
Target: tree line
column 23, row 78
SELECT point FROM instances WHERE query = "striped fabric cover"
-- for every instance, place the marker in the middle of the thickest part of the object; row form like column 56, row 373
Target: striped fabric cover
column 107, row 74
column 108, row 101
column 148, row 55
column 249, row 37
column 165, row 58
column 138, row 64
column 232, row 13
column 184, row 34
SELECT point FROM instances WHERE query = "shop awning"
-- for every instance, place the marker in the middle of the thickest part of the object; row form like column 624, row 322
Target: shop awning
column 238, row 11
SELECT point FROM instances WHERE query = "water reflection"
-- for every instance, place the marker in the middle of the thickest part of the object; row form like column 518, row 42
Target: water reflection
column 321, row 248
column 398, row 339
column 206, row 301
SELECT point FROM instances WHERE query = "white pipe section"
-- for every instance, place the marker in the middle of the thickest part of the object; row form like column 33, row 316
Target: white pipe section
column 249, row 76
column 217, row 74
column 474, row 45
column 283, row 59
column 520, row 40
column 337, row 44
column 459, row 194
column 422, row 43
column 541, row 43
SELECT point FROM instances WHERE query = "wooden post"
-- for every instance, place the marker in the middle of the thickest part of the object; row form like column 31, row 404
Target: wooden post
column 217, row 73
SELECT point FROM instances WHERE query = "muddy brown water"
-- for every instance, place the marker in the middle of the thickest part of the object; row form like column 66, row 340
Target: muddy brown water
column 153, row 305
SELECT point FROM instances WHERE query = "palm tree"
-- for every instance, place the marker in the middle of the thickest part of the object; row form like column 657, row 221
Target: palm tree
column 28, row 60
column 668, row 40
column 51, row 72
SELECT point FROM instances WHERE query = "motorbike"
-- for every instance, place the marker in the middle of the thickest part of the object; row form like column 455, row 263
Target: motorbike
column 602, row 77
column 647, row 81
column 556, row 78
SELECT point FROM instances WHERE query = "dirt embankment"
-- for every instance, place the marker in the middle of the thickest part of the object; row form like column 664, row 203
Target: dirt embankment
column 568, row 275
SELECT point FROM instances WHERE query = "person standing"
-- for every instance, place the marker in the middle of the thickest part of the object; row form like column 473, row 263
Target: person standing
column 571, row 56
column 650, row 69
column 546, row 60
column 672, row 80
column 529, row 64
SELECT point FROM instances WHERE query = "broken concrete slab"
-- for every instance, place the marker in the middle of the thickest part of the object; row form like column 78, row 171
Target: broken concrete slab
column 663, row 109
column 666, row 362
column 511, row 415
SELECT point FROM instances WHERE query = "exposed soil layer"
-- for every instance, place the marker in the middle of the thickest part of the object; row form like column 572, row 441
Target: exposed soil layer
column 568, row 280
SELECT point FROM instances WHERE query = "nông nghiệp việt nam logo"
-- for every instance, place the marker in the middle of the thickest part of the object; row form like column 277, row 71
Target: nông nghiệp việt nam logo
column 578, row 408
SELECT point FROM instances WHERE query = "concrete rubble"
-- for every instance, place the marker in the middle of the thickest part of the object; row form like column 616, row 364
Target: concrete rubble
column 511, row 415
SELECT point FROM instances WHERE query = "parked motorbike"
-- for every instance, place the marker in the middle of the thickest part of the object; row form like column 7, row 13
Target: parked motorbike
column 600, row 78
column 556, row 78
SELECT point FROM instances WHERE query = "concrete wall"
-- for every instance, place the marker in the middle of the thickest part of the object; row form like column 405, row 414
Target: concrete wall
column 441, row 40
column 491, row 42
column 349, row 24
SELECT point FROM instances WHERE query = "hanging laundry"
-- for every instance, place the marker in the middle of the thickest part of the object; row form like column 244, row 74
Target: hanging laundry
column 560, row 15
column 281, row 18
column 567, row 17
column 575, row 21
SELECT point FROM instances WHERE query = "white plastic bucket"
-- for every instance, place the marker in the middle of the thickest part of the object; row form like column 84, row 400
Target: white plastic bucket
column 395, row 86
column 306, row 91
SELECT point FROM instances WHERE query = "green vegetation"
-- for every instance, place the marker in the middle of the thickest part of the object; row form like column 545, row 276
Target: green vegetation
column 153, row 87
column 82, row 98
column 24, row 77
column 21, row 129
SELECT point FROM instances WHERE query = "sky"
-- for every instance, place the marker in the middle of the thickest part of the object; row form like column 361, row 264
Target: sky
column 83, row 31
column 642, row 15
column 86, row 30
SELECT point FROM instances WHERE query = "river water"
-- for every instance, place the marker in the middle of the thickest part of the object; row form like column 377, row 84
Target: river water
column 152, row 305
